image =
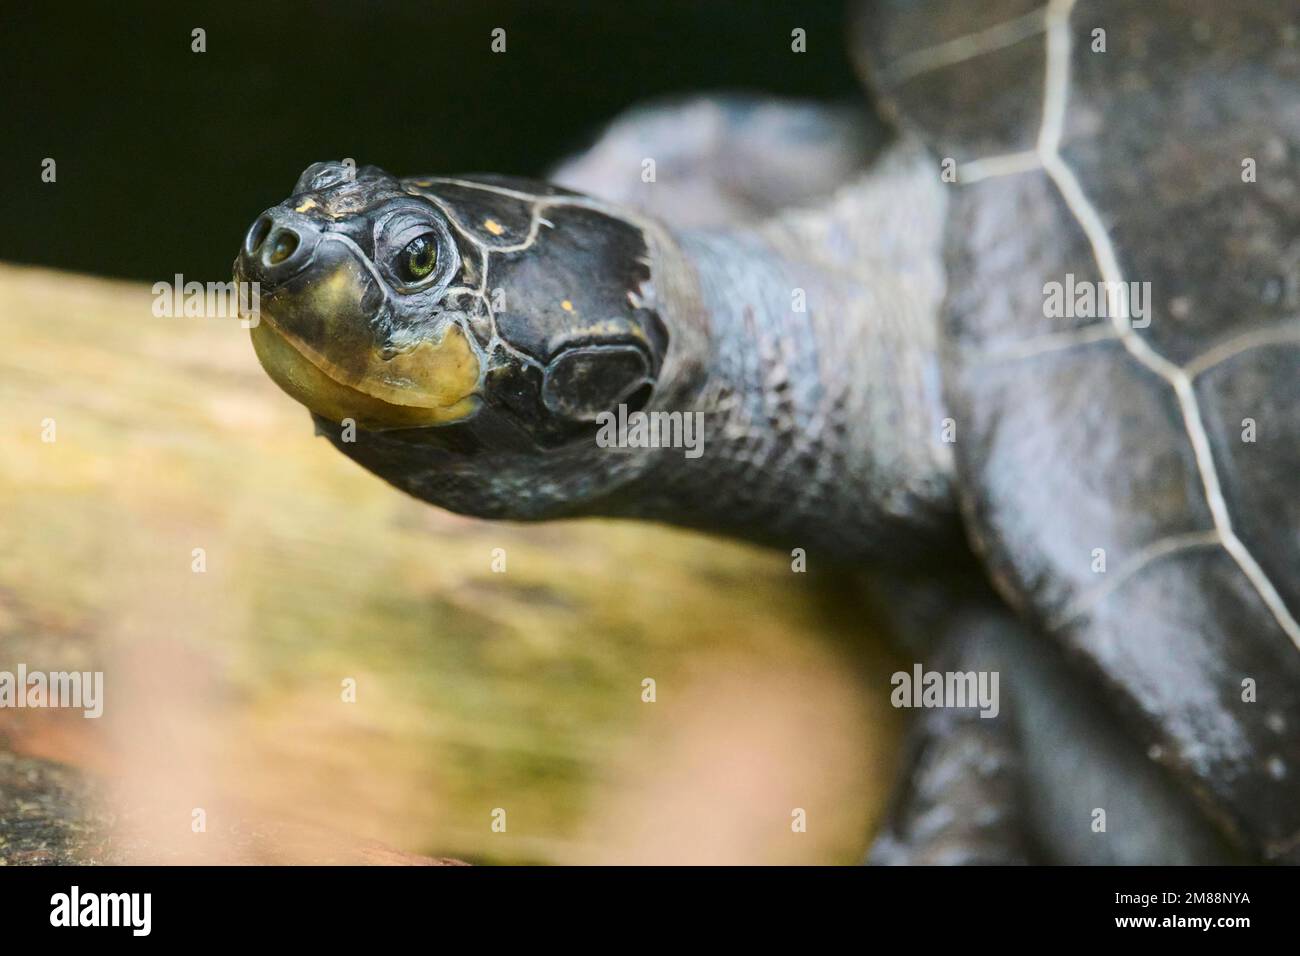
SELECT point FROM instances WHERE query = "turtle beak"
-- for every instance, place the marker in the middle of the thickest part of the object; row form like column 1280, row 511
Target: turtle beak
column 321, row 296
column 322, row 307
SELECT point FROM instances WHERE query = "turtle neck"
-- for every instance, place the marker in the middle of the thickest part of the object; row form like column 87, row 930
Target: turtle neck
column 811, row 363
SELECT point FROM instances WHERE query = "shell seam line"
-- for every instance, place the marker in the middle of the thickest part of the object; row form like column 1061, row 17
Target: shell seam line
column 962, row 48
column 1049, row 139
column 1160, row 548
column 1044, row 344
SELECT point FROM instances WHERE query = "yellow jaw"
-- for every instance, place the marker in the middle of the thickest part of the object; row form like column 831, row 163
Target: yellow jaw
column 433, row 383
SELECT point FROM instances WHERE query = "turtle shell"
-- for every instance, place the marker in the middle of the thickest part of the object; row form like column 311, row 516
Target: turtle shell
column 1130, row 466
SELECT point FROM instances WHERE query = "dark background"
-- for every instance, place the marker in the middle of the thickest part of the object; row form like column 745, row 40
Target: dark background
column 165, row 156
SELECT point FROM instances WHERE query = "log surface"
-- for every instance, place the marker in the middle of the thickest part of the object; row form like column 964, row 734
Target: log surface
column 231, row 575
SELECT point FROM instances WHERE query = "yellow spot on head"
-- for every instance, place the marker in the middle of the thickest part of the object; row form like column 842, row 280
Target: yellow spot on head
column 307, row 203
column 339, row 288
column 492, row 226
column 566, row 305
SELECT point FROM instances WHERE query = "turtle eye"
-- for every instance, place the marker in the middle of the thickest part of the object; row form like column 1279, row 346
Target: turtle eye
column 418, row 258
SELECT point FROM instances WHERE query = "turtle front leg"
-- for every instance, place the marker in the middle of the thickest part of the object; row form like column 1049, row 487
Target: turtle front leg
column 960, row 797
column 1052, row 778
column 959, row 801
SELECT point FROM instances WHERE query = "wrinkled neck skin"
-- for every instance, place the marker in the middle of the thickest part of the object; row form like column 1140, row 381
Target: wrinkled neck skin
column 822, row 427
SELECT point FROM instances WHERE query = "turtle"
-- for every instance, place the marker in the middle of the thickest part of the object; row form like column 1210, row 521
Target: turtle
column 1031, row 309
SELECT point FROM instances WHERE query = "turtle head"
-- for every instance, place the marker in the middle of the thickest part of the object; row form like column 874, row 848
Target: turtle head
column 482, row 325
column 353, row 276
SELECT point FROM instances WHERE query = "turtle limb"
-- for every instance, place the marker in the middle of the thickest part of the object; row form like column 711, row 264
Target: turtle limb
column 960, row 794
column 1054, row 777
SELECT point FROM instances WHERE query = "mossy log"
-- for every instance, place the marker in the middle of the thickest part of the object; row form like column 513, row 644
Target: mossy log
column 302, row 664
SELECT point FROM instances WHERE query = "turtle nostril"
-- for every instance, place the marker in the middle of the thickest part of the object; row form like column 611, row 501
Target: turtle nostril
column 283, row 246
column 257, row 235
